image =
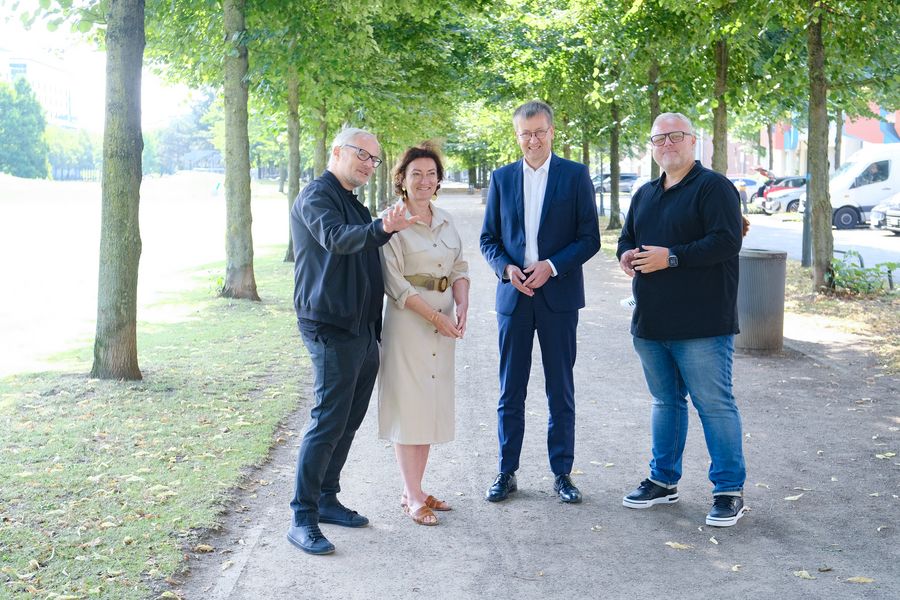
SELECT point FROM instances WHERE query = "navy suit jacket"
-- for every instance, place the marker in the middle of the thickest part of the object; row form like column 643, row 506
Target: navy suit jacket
column 568, row 235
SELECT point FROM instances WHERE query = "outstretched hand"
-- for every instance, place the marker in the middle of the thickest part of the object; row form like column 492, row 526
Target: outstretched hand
column 395, row 218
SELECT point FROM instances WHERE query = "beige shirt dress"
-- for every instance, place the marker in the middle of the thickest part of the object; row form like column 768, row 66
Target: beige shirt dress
column 416, row 380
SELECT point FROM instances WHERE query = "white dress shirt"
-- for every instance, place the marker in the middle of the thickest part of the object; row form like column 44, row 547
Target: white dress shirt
column 535, row 186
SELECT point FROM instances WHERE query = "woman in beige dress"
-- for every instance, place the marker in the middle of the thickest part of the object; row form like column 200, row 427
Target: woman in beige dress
column 427, row 287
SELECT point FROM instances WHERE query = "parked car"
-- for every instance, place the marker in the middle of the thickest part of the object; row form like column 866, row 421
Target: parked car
column 746, row 186
column 785, row 183
column 638, row 183
column 878, row 215
column 626, row 181
column 787, row 200
column 865, row 180
column 892, row 220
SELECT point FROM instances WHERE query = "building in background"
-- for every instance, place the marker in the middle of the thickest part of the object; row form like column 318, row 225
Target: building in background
column 51, row 83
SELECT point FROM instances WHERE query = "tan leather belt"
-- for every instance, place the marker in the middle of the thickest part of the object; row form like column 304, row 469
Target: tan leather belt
column 428, row 282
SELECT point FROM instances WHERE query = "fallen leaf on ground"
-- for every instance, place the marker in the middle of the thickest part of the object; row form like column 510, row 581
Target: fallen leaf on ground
column 798, row 489
column 880, row 528
column 792, row 498
column 803, row 575
column 860, row 579
column 886, row 455
column 678, row 546
column 168, row 596
column 736, row 568
column 763, row 485
column 203, row 548
column 596, row 528
column 714, row 540
column 824, row 569
column 227, row 564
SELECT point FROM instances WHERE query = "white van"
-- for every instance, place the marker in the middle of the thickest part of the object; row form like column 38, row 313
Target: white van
column 866, row 179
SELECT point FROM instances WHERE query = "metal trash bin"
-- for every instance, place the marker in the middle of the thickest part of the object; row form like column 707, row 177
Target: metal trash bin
column 760, row 300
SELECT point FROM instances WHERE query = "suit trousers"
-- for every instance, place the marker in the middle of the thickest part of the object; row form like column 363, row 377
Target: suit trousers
column 556, row 335
column 345, row 367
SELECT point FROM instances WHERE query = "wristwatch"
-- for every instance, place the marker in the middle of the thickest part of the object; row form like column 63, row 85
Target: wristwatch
column 673, row 260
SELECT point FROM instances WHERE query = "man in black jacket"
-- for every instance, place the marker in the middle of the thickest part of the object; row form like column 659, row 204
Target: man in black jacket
column 680, row 243
column 338, row 290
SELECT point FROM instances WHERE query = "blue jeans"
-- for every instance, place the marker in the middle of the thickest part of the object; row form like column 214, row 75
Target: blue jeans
column 702, row 368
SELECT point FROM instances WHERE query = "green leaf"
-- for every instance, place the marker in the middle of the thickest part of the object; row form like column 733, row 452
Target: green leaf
column 84, row 26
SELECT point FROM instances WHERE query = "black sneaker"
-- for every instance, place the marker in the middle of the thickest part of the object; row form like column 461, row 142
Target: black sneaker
column 726, row 511
column 648, row 493
column 309, row 538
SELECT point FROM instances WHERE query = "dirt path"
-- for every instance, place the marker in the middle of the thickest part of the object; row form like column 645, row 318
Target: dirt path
column 814, row 431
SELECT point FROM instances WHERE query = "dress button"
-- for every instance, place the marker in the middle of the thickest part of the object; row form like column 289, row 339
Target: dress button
column 434, row 353
column 435, row 330
column 435, row 245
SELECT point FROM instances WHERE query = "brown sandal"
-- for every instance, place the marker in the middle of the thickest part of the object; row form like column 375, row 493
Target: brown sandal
column 422, row 516
column 435, row 504
column 431, row 502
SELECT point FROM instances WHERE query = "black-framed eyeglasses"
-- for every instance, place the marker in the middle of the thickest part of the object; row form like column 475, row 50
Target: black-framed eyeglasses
column 675, row 137
column 364, row 155
column 527, row 135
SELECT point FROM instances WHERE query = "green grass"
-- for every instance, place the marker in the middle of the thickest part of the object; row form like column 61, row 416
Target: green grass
column 105, row 484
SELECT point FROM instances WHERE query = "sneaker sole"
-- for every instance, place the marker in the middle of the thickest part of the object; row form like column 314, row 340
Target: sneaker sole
column 670, row 499
column 716, row 522
column 296, row 544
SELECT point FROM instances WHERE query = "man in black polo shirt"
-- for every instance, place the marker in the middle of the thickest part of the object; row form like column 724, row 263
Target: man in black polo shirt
column 338, row 290
column 680, row 243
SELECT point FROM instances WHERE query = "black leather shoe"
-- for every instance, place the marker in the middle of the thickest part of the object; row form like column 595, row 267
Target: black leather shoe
column 336, row 513
column 309, row 538
column 566, row 490
column 503, row 486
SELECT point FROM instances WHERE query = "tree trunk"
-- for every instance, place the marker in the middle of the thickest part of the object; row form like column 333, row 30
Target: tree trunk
column 585, row 148
column 614, row 221
column 653, row 92
column 770, row 133
column 720, row 112
column 240, row 281
column 293, row 103
column 817, row 157
column 473, row 179
column 567, row 149
column 361, row 193
column 838, row 138
column 321, row 157
column 115, row 344
column 384, row 182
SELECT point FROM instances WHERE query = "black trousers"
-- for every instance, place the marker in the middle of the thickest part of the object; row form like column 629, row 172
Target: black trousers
column 345, row 367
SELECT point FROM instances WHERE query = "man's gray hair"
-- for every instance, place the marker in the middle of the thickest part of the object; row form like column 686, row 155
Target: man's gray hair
column 674, row 115
column 532, row 109
column 344, row 137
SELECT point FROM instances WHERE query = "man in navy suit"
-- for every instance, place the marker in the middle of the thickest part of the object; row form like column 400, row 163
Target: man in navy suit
column 540, row 226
